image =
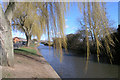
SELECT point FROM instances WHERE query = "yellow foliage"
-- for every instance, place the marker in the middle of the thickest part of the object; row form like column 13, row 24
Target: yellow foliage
column 42, row 18
column 96, row 22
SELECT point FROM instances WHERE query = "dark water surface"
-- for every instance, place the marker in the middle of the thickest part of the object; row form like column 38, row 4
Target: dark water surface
column 73, row 65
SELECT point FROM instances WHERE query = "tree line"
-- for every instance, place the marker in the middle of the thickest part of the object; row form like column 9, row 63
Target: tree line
column 77, row 42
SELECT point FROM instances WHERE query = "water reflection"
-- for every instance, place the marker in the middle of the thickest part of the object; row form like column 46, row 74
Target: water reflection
column 73, row 65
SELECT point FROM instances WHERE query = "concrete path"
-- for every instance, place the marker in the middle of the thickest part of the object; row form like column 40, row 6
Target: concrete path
column 29, row 67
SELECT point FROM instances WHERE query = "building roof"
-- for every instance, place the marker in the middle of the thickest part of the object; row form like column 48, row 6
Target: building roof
column 21, row 39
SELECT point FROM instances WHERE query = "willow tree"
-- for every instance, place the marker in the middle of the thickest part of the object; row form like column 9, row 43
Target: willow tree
column 6, row 34
column 37, row 18
column 26, row 20
column 51, row 19
column 96, row 22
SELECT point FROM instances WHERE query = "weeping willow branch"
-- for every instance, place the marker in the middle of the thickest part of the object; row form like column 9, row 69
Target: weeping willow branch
column 96, row 22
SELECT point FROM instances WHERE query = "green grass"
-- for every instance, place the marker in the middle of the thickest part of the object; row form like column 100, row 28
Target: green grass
column 26, row 51
column 29, row 50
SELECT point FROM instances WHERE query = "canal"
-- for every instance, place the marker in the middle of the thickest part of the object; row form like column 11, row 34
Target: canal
column 73, row 65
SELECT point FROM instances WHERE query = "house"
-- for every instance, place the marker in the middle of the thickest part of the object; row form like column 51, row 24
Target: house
column 17, row 39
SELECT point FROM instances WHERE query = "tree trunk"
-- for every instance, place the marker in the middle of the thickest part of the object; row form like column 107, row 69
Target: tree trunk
column 28, row 37
column 6, row 42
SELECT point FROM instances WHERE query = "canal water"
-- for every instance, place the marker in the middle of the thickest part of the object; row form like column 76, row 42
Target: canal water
column 73, row 65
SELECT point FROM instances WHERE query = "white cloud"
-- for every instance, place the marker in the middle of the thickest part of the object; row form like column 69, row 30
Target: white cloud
column 73, row 27
column 66, row 26
column 66, row 19
column 21, row 34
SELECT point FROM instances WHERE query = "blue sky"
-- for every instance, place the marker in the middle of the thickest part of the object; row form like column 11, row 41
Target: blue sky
column 74, row 14
column 72, row 23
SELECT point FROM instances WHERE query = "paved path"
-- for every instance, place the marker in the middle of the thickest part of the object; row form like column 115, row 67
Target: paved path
column 29, row 67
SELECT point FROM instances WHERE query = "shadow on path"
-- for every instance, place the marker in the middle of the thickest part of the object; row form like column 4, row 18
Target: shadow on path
column 30, row 55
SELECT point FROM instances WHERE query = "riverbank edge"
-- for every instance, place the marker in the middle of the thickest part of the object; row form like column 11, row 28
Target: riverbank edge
column 48, row 63
column 43, row 59
column 59, row 78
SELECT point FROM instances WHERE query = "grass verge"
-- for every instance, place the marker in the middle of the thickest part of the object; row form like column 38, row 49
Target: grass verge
column 26, row 51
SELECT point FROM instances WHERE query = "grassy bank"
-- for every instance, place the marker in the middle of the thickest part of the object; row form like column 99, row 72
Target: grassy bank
column 32, row 50
column 26, row 51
